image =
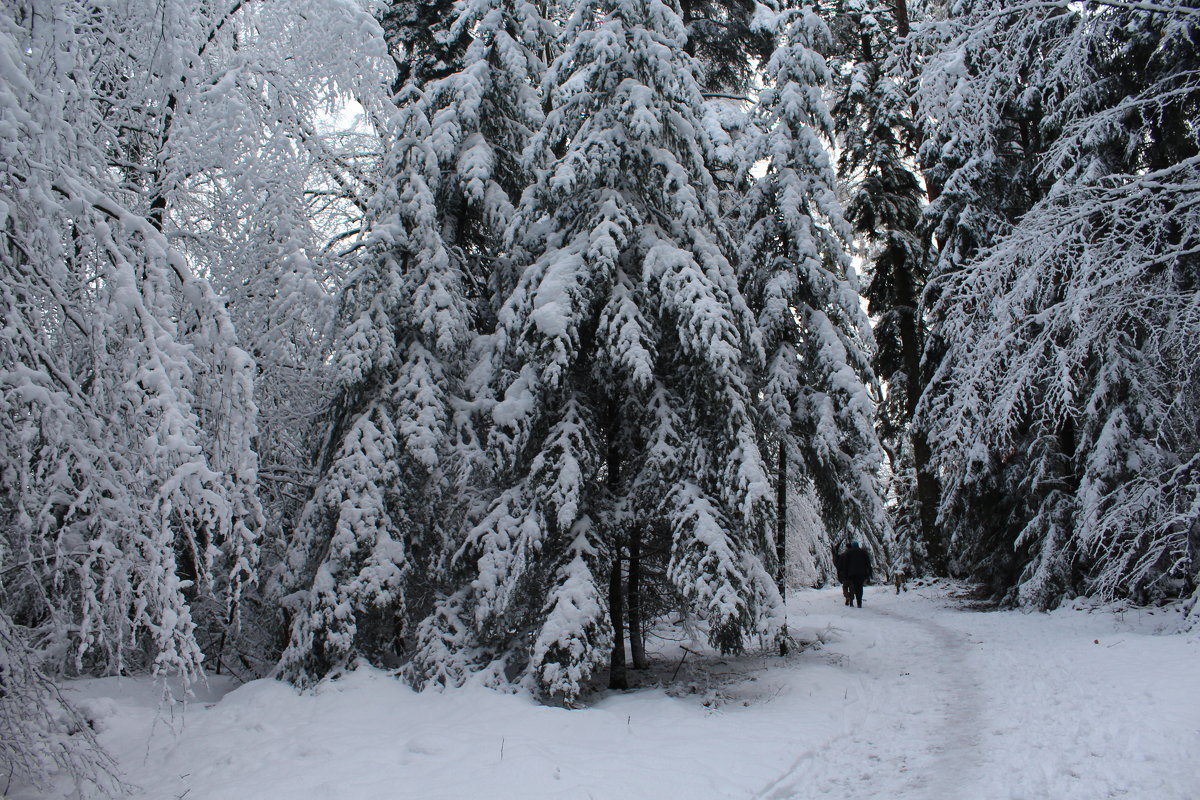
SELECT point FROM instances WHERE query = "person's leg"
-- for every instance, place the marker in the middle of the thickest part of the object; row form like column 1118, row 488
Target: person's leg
column 847, row 592
column 858, row 590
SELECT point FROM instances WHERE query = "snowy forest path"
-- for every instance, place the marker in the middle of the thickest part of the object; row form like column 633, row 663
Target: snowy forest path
column 955, row 745
column 912, row 714
column 910, row 698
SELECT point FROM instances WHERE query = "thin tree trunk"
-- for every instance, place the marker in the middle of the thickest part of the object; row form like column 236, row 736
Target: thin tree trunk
column 637, row 634
column 928, row 491
column 781, row 537
column 158, row 202
column 1193, row 555
column 158, row 180
column 617, row 677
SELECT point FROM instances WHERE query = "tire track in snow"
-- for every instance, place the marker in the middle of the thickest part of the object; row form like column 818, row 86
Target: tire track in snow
column 894, row 742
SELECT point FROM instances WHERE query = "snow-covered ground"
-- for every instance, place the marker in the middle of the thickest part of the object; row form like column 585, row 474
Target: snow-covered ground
column 909, row 697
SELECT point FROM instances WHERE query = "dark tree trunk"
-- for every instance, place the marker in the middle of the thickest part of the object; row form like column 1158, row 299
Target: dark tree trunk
column 1193, row 553
column 928, row 491
column 901, row 11
column 637, row 633
column 781, row 536
column 928, row 497
column 158, row 180
column 617, row 677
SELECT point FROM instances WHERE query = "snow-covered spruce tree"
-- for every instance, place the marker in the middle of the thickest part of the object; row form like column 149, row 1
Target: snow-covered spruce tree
column 727, row 42
column 877, row 140
column 126, row 406
column 1127, row 201
column 624, row 396
column 1067, row 378
column 369, row 551
column 797, row 273
column 982, row 76
column 420, row 39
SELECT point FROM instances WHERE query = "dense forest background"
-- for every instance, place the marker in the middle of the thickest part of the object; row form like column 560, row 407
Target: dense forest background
column 468, row 336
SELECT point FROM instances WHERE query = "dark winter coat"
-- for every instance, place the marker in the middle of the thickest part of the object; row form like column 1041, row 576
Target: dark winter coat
column 854, row 564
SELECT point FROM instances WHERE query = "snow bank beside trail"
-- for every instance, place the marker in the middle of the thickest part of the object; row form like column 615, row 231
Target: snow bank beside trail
column 1084, row 704
column 368, row 736
column 908, row 697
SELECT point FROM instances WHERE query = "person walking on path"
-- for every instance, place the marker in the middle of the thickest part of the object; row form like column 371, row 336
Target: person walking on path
column 847, row 589
column 854, row 569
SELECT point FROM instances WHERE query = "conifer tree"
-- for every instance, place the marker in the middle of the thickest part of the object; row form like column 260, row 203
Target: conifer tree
column 369, row 549
column 1064, row 314
column 983, row 154
column 878, row 141
column 796, row 269
column 623, row 391
column 726, row 38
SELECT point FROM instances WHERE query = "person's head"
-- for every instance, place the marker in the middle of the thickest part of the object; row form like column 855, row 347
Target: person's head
column 854, row 543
